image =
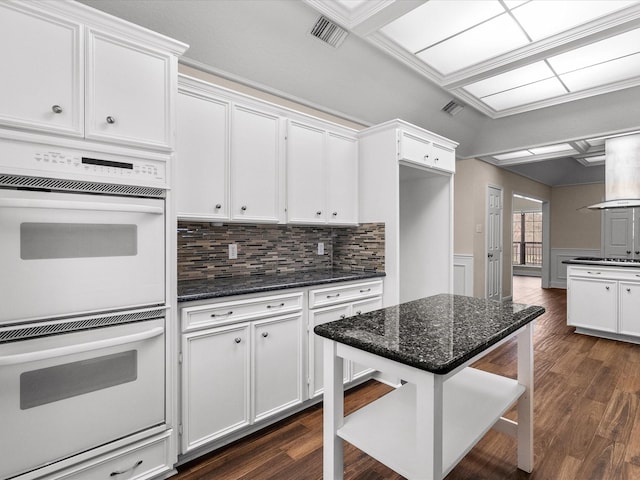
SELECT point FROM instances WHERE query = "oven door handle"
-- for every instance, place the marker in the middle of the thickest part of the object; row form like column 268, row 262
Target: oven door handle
column 68, row 205
column 81, row 348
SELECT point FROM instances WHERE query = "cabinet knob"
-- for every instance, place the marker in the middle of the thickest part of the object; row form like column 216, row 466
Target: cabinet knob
column 343, row 316
column 56, row 109
column 358, row 312
column 637, row 252
column 607, row 287
column 218, row 206
column 243, row 208
column 426, row 156
column 319, row 212
column 629, row 290
column 436, row 159
column 111, row 120
column 237, row 340
column 265, row 334
column 628, row 252
column 335, row 214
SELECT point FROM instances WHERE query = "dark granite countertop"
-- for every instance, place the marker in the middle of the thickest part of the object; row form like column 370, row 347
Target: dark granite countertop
column 604, row 262
column 436, row 333
column 189, row 290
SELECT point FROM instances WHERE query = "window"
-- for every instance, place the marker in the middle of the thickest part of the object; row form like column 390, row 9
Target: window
column 527, row 238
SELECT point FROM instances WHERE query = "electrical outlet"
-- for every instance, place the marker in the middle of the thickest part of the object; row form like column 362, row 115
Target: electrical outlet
column 320, row 248
column 233, row 251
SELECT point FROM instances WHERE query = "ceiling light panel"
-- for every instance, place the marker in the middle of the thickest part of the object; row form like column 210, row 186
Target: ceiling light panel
column 512, row 155
column 604, row 73
column 424, row 26
column 487, row 40
column 543, row 18
column 561, row 147
column 614, row 47
column 511, row 79
column 526, row 94
column 351, row 5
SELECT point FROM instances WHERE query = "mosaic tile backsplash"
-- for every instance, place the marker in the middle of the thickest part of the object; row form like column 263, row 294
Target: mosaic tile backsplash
column 203, row 249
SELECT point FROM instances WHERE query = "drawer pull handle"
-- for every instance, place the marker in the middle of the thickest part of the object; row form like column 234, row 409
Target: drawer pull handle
column 594, row 273
column 213, row 315
column 120, row 472
column 343, row 316
column 365, row 290
column 276, row 306
column 265, row 334
column 237, row 339
column 333, row 296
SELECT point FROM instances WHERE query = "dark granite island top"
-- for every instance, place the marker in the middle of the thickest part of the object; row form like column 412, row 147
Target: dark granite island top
column 189, row 290
column 436, row 334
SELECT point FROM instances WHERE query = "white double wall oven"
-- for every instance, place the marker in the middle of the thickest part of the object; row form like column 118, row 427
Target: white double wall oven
column 82, row 301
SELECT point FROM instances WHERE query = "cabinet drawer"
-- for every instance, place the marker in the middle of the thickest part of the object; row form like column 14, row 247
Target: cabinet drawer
column 220, row 313
column 346, row 293
column 415, row 149
column 140, row 461
column 597, row 272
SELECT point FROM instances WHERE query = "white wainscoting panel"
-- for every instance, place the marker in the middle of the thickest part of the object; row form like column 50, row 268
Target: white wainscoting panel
column 463, row 274
column 559, row 269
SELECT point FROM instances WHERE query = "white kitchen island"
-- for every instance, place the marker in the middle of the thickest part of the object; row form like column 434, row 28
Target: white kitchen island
column 423, row 428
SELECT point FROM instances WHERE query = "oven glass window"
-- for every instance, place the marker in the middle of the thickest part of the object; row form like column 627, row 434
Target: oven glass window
column 77, row 240
column 51, row 384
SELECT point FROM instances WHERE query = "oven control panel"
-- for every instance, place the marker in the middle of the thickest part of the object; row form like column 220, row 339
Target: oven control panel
column 50, row 161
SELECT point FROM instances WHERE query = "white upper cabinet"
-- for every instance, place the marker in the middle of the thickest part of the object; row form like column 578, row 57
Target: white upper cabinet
column 342, row 179
column 128, row 93
column 70, row 78
column 202, row 156
column 322, row 175
column 305, row 174
column 420, row 149
column 255, row 165
column 42, row 86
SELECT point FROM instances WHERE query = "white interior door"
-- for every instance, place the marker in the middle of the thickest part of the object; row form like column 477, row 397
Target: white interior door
column 494, row 243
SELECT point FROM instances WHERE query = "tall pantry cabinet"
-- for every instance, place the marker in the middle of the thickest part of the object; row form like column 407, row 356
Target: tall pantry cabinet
column 406, row 181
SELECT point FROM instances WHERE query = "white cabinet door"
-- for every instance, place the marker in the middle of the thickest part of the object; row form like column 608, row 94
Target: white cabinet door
column 42, row 85
column 277, row 365
column 415, row 149
column 358, row 308
column 202, row 157
column 342, row 179
column 128, row 93
column 255, row 165
column 593, row 304
column 215, row 383
column 630, row 308
column 305, row 174
column 318, row 317
column 444, row 158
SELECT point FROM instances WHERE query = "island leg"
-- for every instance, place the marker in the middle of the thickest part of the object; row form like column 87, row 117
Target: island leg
column 429, row 413
column 333, row 412
column 525, row 402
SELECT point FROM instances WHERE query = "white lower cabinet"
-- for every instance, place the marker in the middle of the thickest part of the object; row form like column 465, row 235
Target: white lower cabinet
column 215, row 383
column 371, row 294
column 237, row 373
column 140, row 461
column 605, row 300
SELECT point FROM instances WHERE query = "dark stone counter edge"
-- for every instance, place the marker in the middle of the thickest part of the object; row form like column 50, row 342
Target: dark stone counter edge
column 522, row 318
column 603, row 264
column 272, row 285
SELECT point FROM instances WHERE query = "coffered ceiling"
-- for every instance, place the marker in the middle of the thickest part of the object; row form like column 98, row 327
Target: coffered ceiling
column 504, row 57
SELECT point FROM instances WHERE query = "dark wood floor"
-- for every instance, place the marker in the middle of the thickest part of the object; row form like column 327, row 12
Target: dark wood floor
column 587, row 420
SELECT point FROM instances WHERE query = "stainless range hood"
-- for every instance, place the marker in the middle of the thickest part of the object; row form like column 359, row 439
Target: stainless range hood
column 621, row 173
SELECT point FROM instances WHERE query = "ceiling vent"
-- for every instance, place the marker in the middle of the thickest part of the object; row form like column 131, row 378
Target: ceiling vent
column 329, row 32
column 453, row 108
